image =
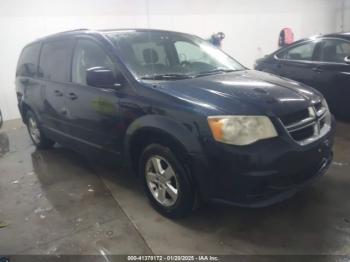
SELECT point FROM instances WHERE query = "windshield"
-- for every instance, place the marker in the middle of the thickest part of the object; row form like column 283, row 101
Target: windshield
column 170, row 55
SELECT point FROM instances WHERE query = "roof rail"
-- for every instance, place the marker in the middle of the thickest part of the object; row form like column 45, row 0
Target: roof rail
column 56, row 34
column 64, row 32
column 73, row 30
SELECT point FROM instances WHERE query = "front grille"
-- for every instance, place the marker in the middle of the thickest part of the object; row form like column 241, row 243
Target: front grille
column 294, row 117
column 302, row 134
column 306, row 125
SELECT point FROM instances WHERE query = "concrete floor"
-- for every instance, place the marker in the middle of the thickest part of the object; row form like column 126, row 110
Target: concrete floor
column 58, row 202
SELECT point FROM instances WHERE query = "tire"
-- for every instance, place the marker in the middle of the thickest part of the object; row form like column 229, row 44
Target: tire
column 36, row 135
column 176, row 195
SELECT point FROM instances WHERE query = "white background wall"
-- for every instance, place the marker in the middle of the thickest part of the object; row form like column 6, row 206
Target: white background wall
column 345, row 15
column 251, row 26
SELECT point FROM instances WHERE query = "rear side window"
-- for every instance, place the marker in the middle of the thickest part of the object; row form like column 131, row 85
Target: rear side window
column 334, row 50
column 55, row 60
column 301, row 52
column 28, row 61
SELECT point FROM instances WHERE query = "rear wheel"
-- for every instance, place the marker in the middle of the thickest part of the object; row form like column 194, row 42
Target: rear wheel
column 166, row 181
column 37, row 136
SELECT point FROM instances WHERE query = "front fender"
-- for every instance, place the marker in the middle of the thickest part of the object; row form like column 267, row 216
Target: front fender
column 187, row 136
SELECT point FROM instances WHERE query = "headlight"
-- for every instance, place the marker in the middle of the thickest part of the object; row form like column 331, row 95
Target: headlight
column 241, row 130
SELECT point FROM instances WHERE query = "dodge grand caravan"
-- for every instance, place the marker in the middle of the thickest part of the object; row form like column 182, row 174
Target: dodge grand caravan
column 187, row 118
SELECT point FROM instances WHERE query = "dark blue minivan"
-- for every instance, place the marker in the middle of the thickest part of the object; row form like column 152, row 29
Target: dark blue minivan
column 187, row 118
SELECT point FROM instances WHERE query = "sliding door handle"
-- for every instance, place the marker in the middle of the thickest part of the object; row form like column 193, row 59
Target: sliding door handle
column 58, row 93
column 72, row 96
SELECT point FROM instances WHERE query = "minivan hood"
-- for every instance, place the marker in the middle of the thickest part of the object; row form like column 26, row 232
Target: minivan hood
column 244, row 92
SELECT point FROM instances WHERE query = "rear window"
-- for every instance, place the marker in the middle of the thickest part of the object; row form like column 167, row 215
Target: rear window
column 28, row 61
column 55, row 60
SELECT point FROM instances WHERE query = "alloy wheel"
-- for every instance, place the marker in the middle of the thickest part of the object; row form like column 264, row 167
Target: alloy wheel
column 34, row 130
column 162, row 181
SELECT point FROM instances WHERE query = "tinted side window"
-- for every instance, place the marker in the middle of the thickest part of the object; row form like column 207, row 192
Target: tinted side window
column 301, row 52
column 334, row 50
column 28, row 62
column 55, row 60
column 88, row 54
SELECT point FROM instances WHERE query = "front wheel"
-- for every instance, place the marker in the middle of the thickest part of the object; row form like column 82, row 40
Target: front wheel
column 166, row 181
column 37, row 136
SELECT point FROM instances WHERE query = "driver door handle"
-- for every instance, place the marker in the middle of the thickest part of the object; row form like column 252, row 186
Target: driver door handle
column 317, row 69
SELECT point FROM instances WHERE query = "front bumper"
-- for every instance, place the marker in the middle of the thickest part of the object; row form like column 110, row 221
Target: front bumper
column 264, row 173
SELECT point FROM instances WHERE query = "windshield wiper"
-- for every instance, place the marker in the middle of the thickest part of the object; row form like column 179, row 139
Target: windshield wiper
column 166, row 77
column 214, row 71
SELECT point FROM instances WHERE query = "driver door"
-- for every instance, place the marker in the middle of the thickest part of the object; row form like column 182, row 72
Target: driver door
column 93, row 112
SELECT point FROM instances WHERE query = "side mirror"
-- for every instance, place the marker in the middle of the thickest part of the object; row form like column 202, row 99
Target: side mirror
column 101, row 77
column 347, row 59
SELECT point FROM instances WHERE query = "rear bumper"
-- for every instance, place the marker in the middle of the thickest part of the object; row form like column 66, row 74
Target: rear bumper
column 264, row 173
